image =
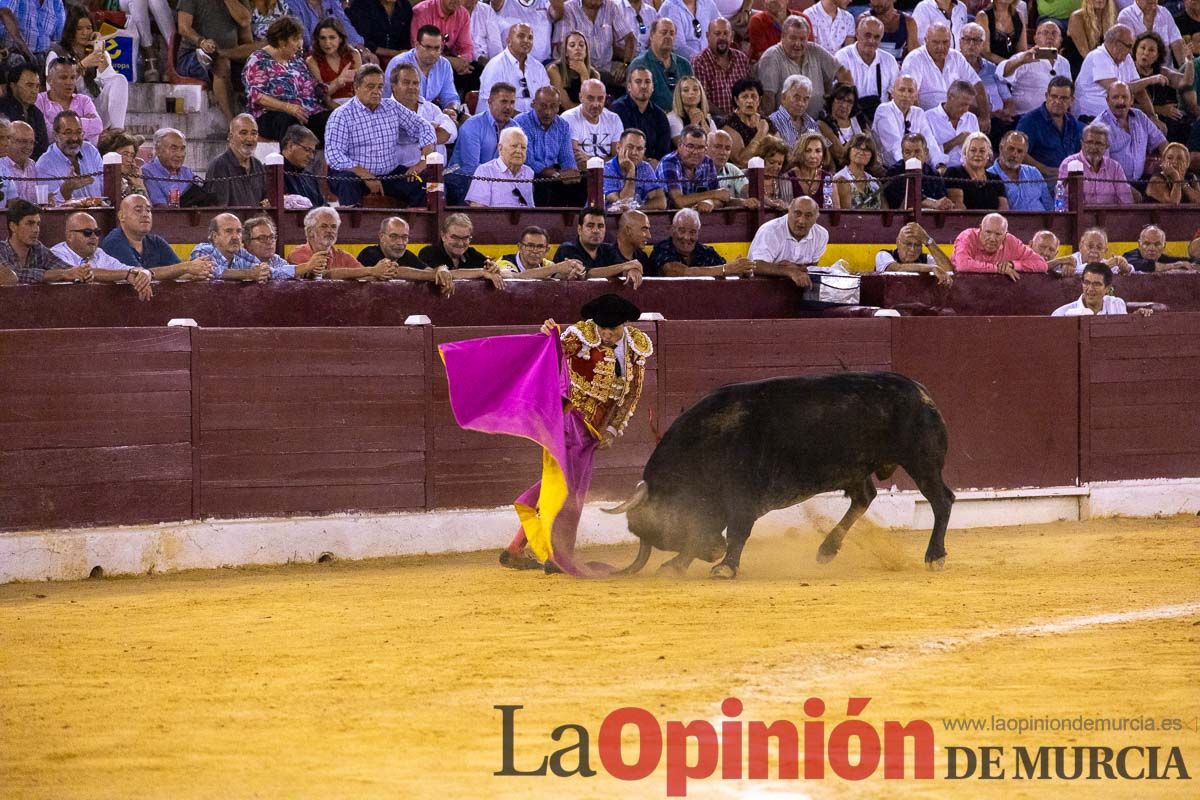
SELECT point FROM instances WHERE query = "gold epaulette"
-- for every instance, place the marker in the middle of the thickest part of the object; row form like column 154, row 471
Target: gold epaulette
column 639, row 342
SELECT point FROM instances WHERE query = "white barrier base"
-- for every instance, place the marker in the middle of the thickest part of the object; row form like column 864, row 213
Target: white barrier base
column 167, row 547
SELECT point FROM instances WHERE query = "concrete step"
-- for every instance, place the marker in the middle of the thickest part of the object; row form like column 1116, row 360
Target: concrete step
column 152, row 96
column 206, row 124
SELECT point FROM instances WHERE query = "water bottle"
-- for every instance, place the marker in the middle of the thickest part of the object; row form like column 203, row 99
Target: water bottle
column 1060, row 197
column 827, row 192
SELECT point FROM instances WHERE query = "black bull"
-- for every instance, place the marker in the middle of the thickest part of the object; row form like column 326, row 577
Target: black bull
column 750, row 448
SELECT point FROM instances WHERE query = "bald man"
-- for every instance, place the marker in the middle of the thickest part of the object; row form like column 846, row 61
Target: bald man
column 82, row 249
column 18, row 162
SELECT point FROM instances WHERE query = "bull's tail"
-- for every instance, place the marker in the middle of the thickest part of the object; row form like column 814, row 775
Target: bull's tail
column 639, row 561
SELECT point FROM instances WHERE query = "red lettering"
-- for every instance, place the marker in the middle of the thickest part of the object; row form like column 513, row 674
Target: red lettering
column 785, row 733
column 649, row 743
column 814, row 740
column 678, row 768
column 894, row 734
column 731, row 740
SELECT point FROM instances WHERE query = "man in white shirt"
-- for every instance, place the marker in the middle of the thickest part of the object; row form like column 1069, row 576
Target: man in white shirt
column 512, row 184
column 936, row 66
column 515, row 66
column 934, row 12
column 485, row 30
column 539, row 15
column 594, row 129
column 18, row 162
column 833, row 25
column 901, row 116
column 82, row 249
column 874, row 70
column 787, row 246
column 1147, row 15
column 640, row 14
column 406, row 90
column 1095, row 298
column 1028, row 74
column 1111, row 62
column 952, row 122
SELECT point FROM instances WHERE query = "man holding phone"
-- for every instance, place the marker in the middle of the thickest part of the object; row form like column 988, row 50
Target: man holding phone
column 1028, row 73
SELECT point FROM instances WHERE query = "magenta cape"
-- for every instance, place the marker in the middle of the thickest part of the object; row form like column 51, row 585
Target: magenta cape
column 516, row 385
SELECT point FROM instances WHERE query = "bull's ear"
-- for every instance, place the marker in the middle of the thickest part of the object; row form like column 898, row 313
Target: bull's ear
column 640, row 495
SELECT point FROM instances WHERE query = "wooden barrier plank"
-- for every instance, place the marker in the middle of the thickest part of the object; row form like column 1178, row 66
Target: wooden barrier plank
column 1138, row 345
column 314, row 439
column 16, row 368
column 1151, row 438
column 1131, row 395
column 93, row 432
column 311, row 469
column 383, row 341
column 92, row 384
column 310, row 363
column 123, row 341
column 226, row 389
column 50, row 407
column 233, row 502
column 74, row 466
column 1169, row 416
column 113, row 503
column 265, row 416
column 1153, row 367
column 1108, row 466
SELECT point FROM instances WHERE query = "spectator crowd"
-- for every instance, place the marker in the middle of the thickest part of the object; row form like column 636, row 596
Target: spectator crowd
column 676, row 100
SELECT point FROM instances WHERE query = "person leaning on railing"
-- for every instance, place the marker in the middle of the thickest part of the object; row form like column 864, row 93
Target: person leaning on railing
column 916, row 251
column 991, row 248
column 81, row 249
column 530, row 262
column 1093, row 249
column 683, row 255
column 131, row 242
column 598, row 257
column 455, row 253
column 1148, row 256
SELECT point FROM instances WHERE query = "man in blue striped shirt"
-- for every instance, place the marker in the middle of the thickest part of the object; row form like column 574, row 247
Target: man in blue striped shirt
column 550, row 154
column 360, row 145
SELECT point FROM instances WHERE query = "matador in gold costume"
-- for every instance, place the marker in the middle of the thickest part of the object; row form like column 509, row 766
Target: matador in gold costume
column 606, row 362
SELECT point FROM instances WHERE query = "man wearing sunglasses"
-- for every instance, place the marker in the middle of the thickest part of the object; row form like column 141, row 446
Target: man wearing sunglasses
column 665, row 65
column 514, row 66
column 82, row 250
column 691, row 18
column 640, row 14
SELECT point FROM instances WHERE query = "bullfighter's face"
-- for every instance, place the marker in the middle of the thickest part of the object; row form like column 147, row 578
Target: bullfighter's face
column 610, row 337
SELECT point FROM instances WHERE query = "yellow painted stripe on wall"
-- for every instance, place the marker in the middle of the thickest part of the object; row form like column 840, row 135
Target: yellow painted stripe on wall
column 860, row 257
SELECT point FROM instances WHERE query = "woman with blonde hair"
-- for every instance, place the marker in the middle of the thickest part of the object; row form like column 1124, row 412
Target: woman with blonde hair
column 1172, row 183
column 810, row 174
column 777, row 192
column 1086, row 28
column 971, row 186
column 689, row 107
column 855, row 185
column 574, row 66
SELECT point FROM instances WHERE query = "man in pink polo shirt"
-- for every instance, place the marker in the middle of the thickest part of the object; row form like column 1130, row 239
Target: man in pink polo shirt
column 991, row 248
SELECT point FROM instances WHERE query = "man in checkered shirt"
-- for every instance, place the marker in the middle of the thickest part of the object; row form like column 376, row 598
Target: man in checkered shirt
column 360, row 145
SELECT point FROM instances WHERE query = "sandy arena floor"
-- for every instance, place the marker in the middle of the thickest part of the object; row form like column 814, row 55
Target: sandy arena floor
column 379, row 679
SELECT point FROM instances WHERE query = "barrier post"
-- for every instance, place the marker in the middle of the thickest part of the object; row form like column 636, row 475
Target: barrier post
column 111, row 179
column 757, row 191
column 595, row 181
column 274, row 165
column 435, row 187
column 913, row 191
column 1075, row 198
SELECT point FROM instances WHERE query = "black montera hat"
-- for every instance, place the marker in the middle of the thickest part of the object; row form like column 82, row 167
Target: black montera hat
column 610, row 310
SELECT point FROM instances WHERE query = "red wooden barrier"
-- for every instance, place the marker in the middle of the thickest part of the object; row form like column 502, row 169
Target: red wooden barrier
column 1141, row 397
column 310, row 420
column 95, row 427
column 1009, row 390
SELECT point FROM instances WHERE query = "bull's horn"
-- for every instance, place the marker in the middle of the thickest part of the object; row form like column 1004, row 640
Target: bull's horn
column 639, row 496
column 638, row 562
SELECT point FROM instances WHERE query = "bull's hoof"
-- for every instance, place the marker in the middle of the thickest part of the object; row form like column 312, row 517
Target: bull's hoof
column 723, row 572
column 671, row 570
column 551, row 568
column 826, row 554
column 936, row 564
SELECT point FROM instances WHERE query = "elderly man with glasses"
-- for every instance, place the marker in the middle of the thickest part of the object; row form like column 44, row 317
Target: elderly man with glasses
column 260, row 239
column 82, row 250
column 1112, row 61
